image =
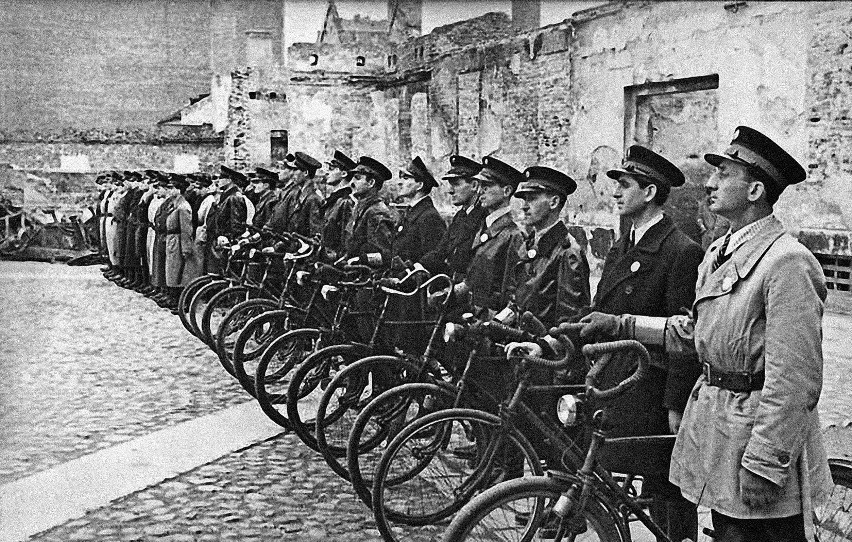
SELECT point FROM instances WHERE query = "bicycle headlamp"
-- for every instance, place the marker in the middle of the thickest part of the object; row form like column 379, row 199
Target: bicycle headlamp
column 567, row 409
column 450, row 331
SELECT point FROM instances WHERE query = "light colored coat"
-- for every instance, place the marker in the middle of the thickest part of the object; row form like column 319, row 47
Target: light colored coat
column 179, row 241
column 760, row 310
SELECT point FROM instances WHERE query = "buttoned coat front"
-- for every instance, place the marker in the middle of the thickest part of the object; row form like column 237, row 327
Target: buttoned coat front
column 495, row 253
column 264, row 208
column 158, row 273
column 370, row 229
column 337, row 209
column 453, row 253
column 418, row 231
column 654, row 278
column 551, row 278
column 759, row 311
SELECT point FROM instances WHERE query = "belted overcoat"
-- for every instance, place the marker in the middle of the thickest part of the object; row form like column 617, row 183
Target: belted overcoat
column 418, row 231
column 761, row 310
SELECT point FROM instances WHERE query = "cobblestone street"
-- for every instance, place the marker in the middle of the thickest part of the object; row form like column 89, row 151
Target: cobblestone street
column 87, row 365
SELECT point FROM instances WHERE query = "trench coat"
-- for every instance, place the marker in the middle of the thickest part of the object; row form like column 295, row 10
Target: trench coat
column 115, row 227
column 370, row 230
column 337, row 209
column 284, row 208
column 494, row 255
column 179, row 242
column 141, row 244
column 418, row 230
column 132, row 255
column 305, row 216
column 453, row 253
column 551, row 278
column 654, row 278
column 158, row 272
column 759, row 311
column 151, row 235
column 104, row 211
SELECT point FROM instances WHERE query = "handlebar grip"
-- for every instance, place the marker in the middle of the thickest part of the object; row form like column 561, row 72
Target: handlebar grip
column 597, row 349
column 497, row 332
column 555, row 364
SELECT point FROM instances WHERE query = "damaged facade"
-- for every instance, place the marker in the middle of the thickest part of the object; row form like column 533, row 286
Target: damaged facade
column 675, row 76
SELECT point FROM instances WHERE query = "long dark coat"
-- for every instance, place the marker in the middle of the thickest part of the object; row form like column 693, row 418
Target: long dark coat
column 551, row 278
column 654, row 278
column 142, row 229
column 306, row 211
column 264, row 207
column 370, row 229
column 495, row 253
column 132, row 256
column 229, row 217
column 453, row 253
column 418, row 230
column 337, row 209
column 284, row 207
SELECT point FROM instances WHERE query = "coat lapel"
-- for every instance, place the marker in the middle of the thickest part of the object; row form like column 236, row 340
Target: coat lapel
column 505, row 221
column 620, row 262
column 741, row 263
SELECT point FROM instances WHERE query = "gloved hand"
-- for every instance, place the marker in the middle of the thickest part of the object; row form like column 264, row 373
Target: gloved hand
column 222, row 241
column 601, row 325
column 523, row 349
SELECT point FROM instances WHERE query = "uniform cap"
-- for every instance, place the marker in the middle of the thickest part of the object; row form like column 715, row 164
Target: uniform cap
column 418, row 170
column 238, row 178
column 203, row 179
column 497, row 171
column 373, row 167
column 341, row 161
column 752, row 148
column 462, row 167
column 545, row 179
column 646, row 163
column 178, row 181
column 266, row 176
column 306, row 162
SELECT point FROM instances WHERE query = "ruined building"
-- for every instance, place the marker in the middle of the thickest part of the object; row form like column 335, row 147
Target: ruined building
column 572, row 94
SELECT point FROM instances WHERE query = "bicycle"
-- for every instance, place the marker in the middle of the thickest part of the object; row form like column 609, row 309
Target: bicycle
column 420, row 480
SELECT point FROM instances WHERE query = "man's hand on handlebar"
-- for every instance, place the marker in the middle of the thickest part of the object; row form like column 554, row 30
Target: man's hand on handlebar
column 515, row 349
column 600, row 325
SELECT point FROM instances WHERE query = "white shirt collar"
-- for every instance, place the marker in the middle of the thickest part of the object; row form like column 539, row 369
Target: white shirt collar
column 418, row 200
column 492, row 217
column 639, row 232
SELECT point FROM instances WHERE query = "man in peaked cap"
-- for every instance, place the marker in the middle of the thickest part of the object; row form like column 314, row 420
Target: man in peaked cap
column 421, row 224
column 228, row 218
column 452, row 254
column 298, row 207
column 651, row 271
column 496, row 243
column 551, row 279
column 749, row 446
column 264, row 184
column 368, row 236
column 338, row 204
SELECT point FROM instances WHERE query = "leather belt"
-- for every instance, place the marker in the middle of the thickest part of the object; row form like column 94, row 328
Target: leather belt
column 733, row 380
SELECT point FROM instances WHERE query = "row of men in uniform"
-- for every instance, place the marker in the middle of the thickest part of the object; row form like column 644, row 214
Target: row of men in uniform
column 653, row 271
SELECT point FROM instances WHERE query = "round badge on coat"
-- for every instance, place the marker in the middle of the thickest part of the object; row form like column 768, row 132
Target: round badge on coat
column 635, row 267
column 399, row 229
column 483, row 238
column 531, row 253
column 727, row 282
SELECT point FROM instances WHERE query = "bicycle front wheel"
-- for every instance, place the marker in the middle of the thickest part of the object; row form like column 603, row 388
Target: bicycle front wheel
column 833, row 517
column 186, row 296
column 439, row 462
column 521, row 511
column 219, row 307
column 230, row 328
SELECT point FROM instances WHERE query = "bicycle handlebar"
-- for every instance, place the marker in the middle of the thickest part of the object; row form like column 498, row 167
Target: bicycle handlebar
column 597, row 349
column 387, row 284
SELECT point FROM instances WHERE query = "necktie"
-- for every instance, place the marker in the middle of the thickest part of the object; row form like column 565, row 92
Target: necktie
column 721, row 257
column 631, row 239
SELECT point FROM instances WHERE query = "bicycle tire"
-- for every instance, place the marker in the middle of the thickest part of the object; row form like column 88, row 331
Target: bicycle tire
column 833, row 517
column 378, row 420
column 397, row 490
column 494, row 514
column 252, row 342
column 307, row 384
column 233, row 324
column 185, row 299
column 218, row 307
column 352, row 389
column 271, row 380
column 199, row 303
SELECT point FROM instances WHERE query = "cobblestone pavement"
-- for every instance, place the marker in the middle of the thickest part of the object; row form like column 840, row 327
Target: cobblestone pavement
column 85, row 365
